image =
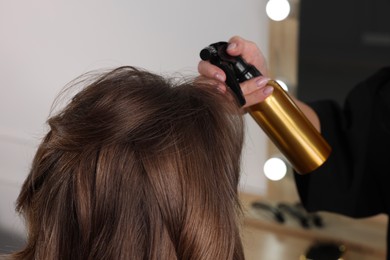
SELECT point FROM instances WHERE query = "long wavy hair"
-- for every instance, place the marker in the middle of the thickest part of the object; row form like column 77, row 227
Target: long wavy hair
column 136, row 166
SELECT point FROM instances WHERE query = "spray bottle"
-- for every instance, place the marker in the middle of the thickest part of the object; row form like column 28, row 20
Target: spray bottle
column 278, row 115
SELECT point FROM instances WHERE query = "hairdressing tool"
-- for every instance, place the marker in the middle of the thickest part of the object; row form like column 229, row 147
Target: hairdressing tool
column 315, row 218
column 278, row 115
column 293, row 212
column 276, row 213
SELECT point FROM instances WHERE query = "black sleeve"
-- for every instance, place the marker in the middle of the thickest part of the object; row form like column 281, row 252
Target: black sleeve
column 355, row 180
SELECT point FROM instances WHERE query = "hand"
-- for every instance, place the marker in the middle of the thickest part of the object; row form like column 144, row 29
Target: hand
column 255, row 90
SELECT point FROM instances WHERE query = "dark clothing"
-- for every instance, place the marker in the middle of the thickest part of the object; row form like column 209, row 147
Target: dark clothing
column 355, row 180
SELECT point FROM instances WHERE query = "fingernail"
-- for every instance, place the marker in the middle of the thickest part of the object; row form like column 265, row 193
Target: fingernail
column 231, row 46
column 219, row 77
column 268, row 90
column 262, row 82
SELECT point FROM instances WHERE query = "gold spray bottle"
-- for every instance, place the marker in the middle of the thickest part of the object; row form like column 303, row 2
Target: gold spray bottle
column 278, row 115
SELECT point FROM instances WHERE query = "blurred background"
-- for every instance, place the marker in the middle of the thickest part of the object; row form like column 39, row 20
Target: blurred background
column 317, row 48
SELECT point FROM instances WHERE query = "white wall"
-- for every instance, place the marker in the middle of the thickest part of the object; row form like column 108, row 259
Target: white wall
column 45, row 44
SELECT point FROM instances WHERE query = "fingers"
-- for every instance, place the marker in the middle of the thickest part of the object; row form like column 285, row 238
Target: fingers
column 248, row 51
column 208, row 70
column 253, row 85
column 237, row 47
column 209, row 81
column 257, row 96
column 256, row 90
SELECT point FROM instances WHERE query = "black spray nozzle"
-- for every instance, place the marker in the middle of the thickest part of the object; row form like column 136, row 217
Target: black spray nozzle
column 208, row 53
column 235, row 68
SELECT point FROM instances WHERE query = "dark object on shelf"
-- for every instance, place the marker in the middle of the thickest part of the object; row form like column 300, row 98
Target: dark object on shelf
column 324, row 251
column 295, row 213
column 313, row 217
column 276, row 213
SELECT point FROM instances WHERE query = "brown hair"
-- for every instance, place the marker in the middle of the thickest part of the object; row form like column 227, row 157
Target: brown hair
column 136, row 166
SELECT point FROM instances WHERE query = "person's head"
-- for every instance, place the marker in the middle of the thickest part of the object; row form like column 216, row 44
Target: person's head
column 136, row 166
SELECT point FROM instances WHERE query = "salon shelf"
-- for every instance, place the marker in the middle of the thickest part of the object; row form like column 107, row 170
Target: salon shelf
column 263, row 236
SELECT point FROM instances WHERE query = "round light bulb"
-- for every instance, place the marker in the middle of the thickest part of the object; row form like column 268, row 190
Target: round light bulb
column 275, row 169
column 282, row 84
column 277, row 10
